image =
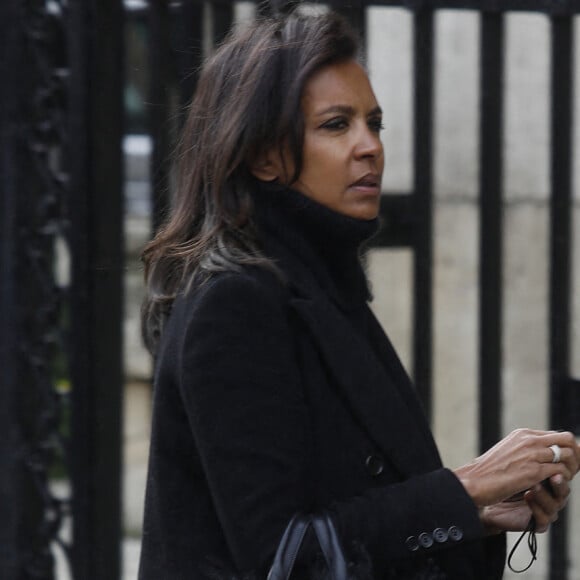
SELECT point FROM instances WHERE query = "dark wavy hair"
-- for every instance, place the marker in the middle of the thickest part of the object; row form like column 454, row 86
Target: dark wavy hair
column 247, row 102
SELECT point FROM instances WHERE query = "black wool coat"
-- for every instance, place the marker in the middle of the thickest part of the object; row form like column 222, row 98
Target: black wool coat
column 277, row 394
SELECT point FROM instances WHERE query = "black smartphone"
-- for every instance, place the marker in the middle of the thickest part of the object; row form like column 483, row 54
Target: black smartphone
column 520, row 495
column 548, row 487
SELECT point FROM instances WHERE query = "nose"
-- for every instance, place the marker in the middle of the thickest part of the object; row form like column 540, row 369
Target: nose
column 369, row 144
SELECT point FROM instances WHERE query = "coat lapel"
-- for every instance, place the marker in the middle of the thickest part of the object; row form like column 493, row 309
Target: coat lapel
column 390, row 417
column 400, row 378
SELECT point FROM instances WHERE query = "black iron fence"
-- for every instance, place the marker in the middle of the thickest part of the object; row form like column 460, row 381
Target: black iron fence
column 61, row 291
column 61, row 246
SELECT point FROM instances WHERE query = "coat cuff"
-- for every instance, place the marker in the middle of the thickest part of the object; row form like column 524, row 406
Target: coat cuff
column 446, row 516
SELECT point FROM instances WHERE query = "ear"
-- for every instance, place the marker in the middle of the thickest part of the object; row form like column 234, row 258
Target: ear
column 268, row 166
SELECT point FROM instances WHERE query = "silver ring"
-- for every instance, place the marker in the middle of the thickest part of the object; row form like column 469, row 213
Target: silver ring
column 557, row 451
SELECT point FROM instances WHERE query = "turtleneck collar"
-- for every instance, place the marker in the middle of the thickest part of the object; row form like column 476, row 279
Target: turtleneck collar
column 327, row 242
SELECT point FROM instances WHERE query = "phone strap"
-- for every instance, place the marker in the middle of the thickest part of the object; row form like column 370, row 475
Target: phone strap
column 530, row 531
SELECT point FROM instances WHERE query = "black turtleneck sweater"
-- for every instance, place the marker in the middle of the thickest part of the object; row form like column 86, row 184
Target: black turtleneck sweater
column 326, row 242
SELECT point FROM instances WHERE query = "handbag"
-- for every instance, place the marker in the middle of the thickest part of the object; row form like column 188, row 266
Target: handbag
column 293, row 538
column 333, row 555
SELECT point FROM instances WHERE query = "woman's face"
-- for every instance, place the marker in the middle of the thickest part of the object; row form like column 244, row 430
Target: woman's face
column 343, row 155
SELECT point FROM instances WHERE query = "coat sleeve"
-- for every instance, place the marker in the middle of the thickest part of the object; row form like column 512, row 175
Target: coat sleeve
column 241, row 387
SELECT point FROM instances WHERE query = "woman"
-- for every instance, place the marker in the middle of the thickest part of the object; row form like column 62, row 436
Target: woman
column 276, row 391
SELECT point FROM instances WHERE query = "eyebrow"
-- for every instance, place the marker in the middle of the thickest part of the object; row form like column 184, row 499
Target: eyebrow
column 347, row 110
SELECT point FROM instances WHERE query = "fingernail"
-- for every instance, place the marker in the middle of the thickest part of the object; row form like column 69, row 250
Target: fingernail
column 558, row 479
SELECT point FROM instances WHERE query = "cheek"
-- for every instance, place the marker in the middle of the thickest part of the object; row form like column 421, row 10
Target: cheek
column 323, row 174
column 327, row 160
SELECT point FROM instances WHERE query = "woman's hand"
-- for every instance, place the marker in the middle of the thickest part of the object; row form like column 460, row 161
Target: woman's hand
column 545, row 504
column 514, row 516
column 517, row 464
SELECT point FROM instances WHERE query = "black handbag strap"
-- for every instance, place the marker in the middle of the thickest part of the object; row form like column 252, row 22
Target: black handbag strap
column 330, row 545
column 293, row 538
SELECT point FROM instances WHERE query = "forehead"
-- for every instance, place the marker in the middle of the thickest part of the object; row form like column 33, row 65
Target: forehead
column 344, row 83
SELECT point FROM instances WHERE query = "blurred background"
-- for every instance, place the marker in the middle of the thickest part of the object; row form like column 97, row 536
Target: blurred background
column 476, row 273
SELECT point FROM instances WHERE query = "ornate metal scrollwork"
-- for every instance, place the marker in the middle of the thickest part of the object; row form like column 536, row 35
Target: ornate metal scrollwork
column 43, row 225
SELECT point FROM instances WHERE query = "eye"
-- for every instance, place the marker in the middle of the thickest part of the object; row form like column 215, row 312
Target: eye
column 335, row 124
column 376, row 124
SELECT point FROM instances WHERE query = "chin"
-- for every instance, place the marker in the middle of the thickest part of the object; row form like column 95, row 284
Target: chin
column 364, row 211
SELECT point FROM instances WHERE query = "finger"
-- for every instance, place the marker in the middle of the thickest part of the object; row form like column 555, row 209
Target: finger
column 542, row 497
column 562, row 438
column 542, row 520
column 552, row 500
column 567, row 457
column 541, row 445
column 560, row 487
column 549, row 470
column 566, row 464
column 565, row 440
column 543, row 516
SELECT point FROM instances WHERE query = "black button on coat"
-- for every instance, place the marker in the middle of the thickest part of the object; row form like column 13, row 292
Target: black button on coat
column 375, row 464
column 270, row 395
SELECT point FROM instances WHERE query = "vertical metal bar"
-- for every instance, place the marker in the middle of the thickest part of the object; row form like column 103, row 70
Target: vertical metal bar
column 491, row 228
column 32, row 172
column 560, row 254
column 11, row 67
column 189, row 46
column 222, row 17
column 158, row 107
column 422, row 187
column 355, row 12
column 96, row 303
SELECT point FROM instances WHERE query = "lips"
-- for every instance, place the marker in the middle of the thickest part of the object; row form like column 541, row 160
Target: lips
column 368, row 180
